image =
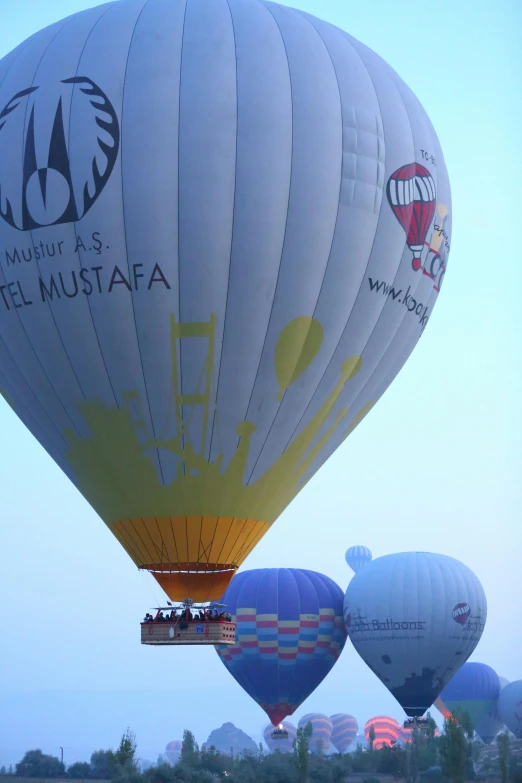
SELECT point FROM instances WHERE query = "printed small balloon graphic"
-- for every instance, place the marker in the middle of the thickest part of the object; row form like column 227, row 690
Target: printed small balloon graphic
column 199, row 251
column 404, row 616
column 276, row 741
column 386, row 729
column 322, row 728
column 510, row 707
column 357, row 557
column 345, row 729
column 289, row 634
column 411, row 193
column 461, row 613
column 474, row 689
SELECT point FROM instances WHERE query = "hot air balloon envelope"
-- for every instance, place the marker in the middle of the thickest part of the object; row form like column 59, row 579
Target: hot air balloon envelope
column 289, row 634
column 207, row 219
column 415, row 618
column 345, row 729
column 281, row 738
column 322, row 728
column 387, row 730
column 475, row 689
column 357, row 557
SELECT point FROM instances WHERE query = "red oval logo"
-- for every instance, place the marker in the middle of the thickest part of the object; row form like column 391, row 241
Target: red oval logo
column 461, row 613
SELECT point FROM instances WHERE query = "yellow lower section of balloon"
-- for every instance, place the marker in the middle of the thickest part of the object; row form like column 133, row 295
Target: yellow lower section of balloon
column 193, row 532
column 190, row 556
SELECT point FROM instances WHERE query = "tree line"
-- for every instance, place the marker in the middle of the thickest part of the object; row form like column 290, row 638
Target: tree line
column 426, row 759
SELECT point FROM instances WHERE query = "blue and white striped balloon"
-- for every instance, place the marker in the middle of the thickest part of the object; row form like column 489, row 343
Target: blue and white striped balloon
column 357, row 557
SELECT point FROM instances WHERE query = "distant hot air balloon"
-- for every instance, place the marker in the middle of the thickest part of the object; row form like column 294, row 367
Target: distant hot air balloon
column 414, row 618
column 278, row 743
column 387, row 731
column 357, row 557
column 510, row 707
column 503, row 682
column 289, row 634
column 322, row 729
column 173, row 751
column 475, row 689
column 199, row 260
column 345, row 729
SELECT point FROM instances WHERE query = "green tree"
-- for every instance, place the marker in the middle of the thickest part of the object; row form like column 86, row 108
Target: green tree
column 102, row 765
column 371, row 738
column 3, row 770
column 189, row 749
column 503, row 755
column 318, row 750
column 79, row 771
column 361, row 760
column 36, row 764
column 464, row 719
column 162, row 773
column 125, row 755
column 214, row 761
column 453, row 750
column 428, row 756
column 301, row 746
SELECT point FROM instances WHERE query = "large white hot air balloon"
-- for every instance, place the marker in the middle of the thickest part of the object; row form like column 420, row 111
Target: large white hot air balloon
column 415, row 618
column 223, row 229
column 510, row 707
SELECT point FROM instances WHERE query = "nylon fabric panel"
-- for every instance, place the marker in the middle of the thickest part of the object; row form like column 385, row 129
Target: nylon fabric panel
column 358, row 202
column 415, row 618
column 310, row 224
column 25, row 335
column 264, row 157
column 374, row 377
column 151, row 110
column 207, row 160
column 385, row 256
column 291, row 596
column 61, row 331
column 113, row 429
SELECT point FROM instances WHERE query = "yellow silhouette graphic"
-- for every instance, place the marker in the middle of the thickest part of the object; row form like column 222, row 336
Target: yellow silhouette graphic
column 195, row 531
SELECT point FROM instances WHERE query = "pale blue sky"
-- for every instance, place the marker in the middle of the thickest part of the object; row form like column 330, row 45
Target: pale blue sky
column 436, row 466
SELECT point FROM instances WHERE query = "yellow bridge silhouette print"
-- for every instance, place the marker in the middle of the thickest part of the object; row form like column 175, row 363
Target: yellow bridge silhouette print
column 194, row 532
